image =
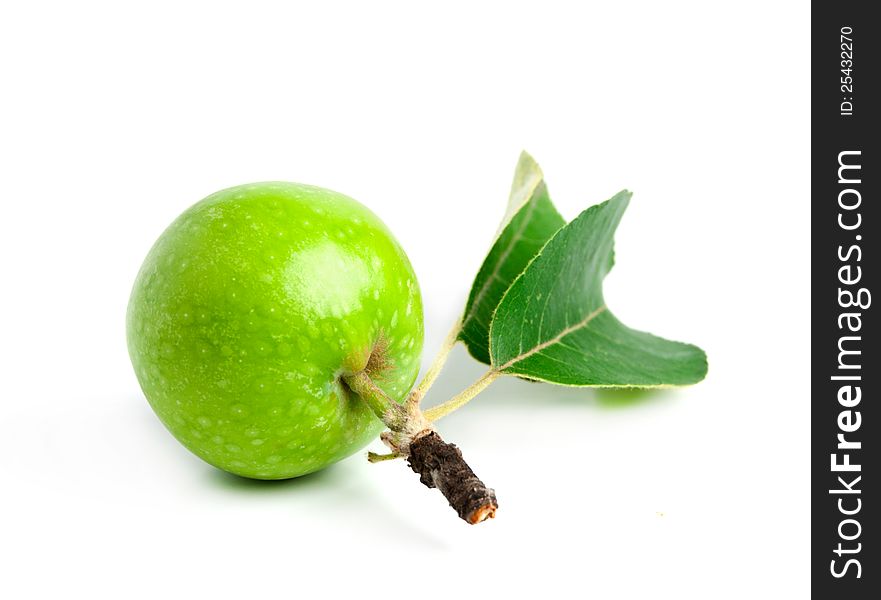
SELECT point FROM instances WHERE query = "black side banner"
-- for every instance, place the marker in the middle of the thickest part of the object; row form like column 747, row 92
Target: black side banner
column 845, row 365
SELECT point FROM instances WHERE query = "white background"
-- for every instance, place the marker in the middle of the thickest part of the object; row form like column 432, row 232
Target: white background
column 116, row 117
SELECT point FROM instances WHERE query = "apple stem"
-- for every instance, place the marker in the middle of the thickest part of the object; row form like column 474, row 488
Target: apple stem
column 389, row 412
column 439, row 464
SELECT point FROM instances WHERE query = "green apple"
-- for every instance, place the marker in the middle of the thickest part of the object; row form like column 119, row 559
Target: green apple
column 249, row 310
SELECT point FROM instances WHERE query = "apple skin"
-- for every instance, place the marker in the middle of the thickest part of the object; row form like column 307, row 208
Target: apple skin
column 250, row 307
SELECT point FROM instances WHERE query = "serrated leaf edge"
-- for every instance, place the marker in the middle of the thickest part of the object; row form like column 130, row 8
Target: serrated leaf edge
column 524, row 188
column 526, row 268
column 565, row 331
column 572, row 328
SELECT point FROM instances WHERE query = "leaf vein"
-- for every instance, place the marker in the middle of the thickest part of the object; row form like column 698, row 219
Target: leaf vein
column 502, row 258
column 538, row 348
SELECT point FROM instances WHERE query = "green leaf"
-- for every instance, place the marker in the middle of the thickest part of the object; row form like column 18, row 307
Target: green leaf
column 529, row 222
column 553, row 324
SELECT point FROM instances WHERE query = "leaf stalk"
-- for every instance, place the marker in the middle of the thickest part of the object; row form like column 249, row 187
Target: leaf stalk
column 463, row 397
column 437, row 365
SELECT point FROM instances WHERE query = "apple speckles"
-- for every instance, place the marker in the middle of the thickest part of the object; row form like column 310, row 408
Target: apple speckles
column 235, row 318
column 186, row 315
column 269, row 311
column 257, row 442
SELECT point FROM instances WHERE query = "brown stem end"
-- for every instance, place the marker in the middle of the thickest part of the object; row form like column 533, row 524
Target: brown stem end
column 441, row 465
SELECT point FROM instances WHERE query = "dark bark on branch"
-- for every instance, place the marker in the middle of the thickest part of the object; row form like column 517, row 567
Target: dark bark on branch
column 440, row 465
